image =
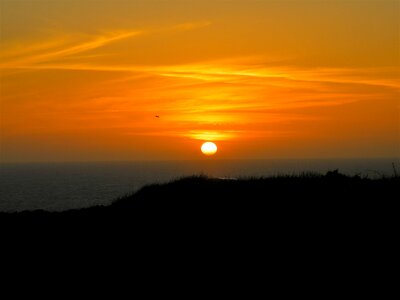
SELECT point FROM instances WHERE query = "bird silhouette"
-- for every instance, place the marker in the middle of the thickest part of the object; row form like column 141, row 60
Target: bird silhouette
column 157, row 116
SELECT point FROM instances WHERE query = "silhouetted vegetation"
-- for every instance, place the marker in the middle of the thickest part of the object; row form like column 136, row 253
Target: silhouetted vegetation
column 225, row 207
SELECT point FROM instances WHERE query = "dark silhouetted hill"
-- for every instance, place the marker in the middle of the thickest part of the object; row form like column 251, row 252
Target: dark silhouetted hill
column 226, row 207
column 334, row 227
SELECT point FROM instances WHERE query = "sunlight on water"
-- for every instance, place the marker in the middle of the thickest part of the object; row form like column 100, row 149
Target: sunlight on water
column 60, row 186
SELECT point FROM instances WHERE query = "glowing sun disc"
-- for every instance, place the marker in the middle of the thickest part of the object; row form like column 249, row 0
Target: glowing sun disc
column 209, row 148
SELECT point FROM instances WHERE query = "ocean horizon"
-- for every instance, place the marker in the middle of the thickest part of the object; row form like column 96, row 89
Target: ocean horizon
column 61, row 186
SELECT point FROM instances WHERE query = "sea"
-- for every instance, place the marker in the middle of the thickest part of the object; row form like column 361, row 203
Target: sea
column 63, row 186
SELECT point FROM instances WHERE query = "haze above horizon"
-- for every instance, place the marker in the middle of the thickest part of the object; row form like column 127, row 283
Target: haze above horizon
column 154, row 80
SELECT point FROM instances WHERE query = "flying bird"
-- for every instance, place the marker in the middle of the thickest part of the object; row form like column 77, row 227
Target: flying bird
column 157, row 116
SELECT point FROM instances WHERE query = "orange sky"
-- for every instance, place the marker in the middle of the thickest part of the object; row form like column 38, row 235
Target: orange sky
column 83, row 80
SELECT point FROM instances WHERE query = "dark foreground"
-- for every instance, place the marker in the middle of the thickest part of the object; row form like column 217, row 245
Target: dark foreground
column 224, row 208
column 306, row 236
column 307, row 233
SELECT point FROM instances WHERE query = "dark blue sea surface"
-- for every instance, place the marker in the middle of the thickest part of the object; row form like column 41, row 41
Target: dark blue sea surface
column 61, row 186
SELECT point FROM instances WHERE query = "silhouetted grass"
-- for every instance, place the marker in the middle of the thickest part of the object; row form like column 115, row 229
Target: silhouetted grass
column 329, row 222
column 199, row 202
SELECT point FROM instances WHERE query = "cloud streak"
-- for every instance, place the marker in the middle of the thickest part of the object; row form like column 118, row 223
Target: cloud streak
column 20, row 56
column 215, row 99
column 50, row 55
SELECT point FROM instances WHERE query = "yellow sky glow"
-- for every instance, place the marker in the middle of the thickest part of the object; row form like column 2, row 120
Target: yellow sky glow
column 84, row 80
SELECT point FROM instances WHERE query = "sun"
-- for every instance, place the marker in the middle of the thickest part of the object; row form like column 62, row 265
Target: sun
column 209, row 148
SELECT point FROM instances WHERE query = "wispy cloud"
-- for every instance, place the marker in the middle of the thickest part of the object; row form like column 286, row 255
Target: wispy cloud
column 215, row 99
column 49, row 54
column 66, row 53
column 43, row 54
